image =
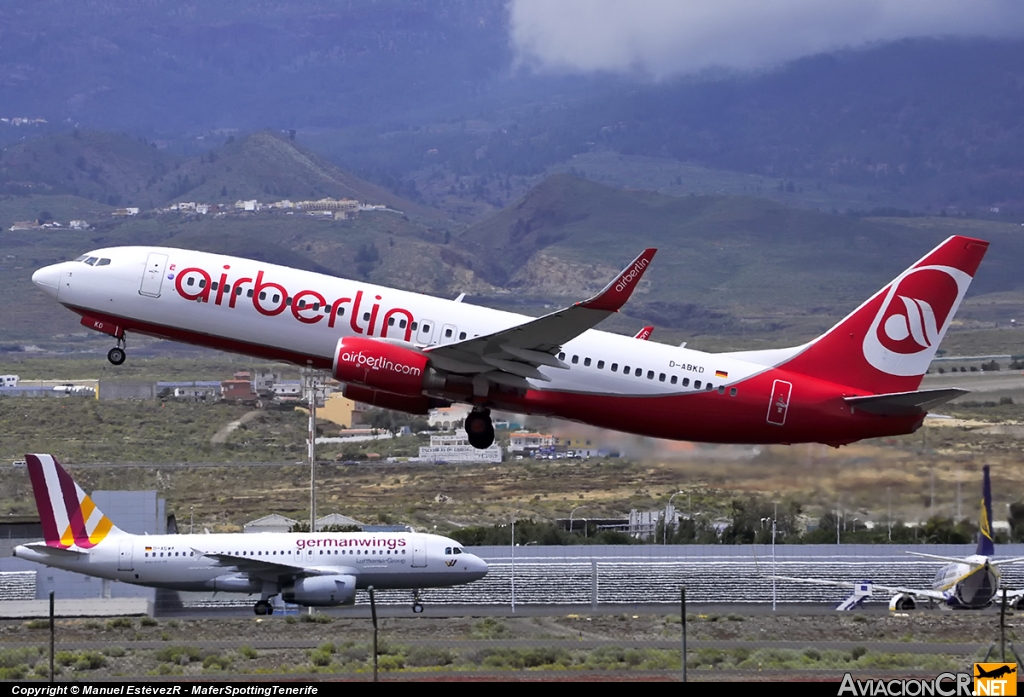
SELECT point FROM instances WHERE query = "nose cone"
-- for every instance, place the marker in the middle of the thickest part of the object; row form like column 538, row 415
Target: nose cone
column 477, row 568
column 48, row 279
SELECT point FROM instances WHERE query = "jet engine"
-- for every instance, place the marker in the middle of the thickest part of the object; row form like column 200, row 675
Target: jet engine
column 321, row 591
column 410, row 405
column 379, row 365
column 902, row 602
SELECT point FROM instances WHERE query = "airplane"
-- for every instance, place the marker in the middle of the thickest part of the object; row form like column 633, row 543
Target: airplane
column 411, row 352
column 312, row 569
column 970, row 583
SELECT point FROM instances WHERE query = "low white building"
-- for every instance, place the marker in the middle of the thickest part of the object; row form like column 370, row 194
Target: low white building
column 457, row 449
column 449, row 418
column 524, row 441
column 271, row 523
column 8, row 380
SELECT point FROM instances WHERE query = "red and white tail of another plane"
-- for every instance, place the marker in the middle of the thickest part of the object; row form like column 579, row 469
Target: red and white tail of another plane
column 409, row 351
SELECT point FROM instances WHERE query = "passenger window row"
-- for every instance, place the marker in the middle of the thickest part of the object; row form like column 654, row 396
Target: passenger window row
column 661, row 377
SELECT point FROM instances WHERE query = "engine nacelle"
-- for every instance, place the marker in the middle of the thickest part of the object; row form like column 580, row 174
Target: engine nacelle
column 235, row 583
column 902, row 602
column 321, row 591
column 380, row 366
column 410, row 405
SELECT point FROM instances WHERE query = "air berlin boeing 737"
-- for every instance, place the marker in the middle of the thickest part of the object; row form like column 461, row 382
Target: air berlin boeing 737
column 409, row 352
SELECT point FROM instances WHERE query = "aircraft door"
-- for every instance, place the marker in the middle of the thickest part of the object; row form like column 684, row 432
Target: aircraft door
column 779, row 405
column 419, row 552
column 153, row 276
column 125, row 561
column 425, row 332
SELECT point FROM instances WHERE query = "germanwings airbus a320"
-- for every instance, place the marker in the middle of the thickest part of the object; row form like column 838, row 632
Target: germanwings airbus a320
column 409, row 352
column 313, row 569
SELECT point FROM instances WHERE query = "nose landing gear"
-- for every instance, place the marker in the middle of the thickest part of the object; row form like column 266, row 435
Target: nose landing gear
column 417, row 602
column 480, row 428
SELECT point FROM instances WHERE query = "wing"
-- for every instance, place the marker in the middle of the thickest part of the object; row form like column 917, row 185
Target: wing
column 917, row 592
column 271, row 569
column 513, row 355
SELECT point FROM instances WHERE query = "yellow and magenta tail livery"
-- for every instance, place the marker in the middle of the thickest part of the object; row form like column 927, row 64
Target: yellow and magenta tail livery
column 68, row 516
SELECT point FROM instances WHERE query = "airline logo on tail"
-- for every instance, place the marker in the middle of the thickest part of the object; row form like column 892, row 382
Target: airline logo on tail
column 913, row 319
column 68, row 515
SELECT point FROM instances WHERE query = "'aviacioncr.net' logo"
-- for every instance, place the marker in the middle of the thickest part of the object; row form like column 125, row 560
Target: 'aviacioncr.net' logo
column 995, row 678
column 914, row 315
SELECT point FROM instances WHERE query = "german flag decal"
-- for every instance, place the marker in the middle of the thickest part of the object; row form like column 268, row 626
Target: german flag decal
column 721, row 374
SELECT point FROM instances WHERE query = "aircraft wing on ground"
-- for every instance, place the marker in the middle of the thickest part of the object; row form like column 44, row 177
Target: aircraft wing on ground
column 917, row 592
column 261, row 568
column 512, row 355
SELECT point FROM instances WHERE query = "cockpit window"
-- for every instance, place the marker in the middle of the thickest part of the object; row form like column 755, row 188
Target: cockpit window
column 457, row 550
column 447, row 550
column 91, row 261
column 103, row 262
column 82, row 258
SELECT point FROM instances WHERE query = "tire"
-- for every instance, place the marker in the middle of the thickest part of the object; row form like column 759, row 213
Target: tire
column 417, row 608
column 116, row 356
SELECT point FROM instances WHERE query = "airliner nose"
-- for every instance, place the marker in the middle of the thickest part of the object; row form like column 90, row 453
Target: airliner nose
column 478, row 568
column 48, row 279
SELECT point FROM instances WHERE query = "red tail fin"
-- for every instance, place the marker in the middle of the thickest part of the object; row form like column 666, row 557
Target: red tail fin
column 887, row 344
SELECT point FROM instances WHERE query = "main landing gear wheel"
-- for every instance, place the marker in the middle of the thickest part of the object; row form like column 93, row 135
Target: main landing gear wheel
column 262, row 607
column 480, row 429
column 116, row 355
column 417, row 608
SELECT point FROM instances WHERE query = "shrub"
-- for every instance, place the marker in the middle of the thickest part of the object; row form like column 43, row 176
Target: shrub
column 38, row 624
column 175, row 654
column 857, row 652
column 316, row 618
column 148, row 621
column 120, row 623
column 248, row 652
column 215, row 662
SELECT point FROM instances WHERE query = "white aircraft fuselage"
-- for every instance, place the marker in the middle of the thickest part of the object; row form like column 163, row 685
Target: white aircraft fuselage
column 190, row 562
column 400, row 349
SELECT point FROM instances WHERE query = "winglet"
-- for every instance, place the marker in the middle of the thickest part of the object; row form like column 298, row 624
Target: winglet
column 615, row 294
column 645, row 333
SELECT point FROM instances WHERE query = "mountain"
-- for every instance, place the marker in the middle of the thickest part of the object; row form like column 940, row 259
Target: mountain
column 111, row 168
column 720, row 259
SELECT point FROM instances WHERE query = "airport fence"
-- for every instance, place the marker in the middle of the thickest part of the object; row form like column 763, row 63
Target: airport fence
column 638, row 641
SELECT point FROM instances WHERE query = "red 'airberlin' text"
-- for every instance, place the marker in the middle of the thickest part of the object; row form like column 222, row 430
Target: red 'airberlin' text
column 306, row 306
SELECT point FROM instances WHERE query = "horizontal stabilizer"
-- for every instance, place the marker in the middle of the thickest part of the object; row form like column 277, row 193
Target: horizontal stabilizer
column 904, row 403
column 62, row 552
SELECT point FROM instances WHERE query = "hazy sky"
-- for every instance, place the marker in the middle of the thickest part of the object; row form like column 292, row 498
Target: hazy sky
column 666, row 37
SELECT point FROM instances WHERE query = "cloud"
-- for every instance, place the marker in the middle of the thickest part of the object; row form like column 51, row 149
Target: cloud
column 667, row 37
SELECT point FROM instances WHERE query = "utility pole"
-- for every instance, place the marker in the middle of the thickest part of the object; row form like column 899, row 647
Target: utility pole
column 312, row 384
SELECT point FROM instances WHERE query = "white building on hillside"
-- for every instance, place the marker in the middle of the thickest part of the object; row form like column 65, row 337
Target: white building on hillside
column 457, row 449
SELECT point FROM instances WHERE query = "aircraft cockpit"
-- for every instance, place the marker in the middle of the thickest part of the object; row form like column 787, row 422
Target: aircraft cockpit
column 93, row 261
column 452, row 550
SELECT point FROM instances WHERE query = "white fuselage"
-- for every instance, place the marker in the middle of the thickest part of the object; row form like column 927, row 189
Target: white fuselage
column 971, row 585
column 200, row 562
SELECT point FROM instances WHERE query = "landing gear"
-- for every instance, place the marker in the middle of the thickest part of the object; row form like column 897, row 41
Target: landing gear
column 117, row 355
column 263, row 607
column 480, row 429
column 417, row 602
